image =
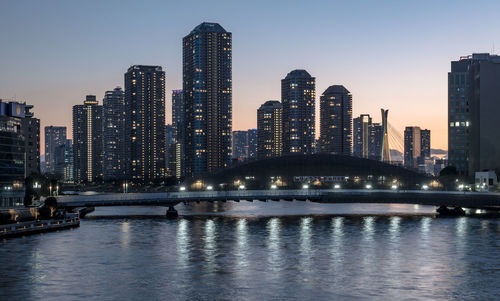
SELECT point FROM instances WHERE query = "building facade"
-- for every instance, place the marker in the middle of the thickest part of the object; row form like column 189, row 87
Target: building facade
column 252, row 144
column 361, row 133
column 64, row 161
column 298, row 95
column 240, row 145
column 31, row 133
column 412, row 146
column 207, row 95
column 170, row 142
column 145, row 101
column 425, row 143
column 336, row 121
column 269, row 129
column 55, row 136
column 88, row 141
column 473, row 108
column 12, row 154
column 176, row 152
column 115, row 135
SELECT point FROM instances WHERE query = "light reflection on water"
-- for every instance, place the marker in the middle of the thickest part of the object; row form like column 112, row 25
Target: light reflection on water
column 257, row 258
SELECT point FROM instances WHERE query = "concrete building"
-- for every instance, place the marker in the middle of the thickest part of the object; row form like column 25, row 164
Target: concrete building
column 115, row 135
column 88, row 141
column 64, row 161
column 31, row 133
column 12, row 154
column 412, row 146
column 376, row 140
column 55, row 136
column 176, row 152
column 336, row 121
column 269, row 129
column 473, row 110
column 298, row 95
column 362, row 130
column 207, row 89
column 170, row 164
column 252, row 144
column 240, row 145
column 145, row 101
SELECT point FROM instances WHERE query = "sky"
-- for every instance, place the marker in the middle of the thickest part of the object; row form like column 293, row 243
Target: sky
column 388, row 54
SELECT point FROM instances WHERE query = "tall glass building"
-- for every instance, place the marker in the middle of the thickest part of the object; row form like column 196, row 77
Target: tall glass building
column 55, row 136
column 145, row 101
column 12, row 154
column 269, row 129
column 87, row 141
column 473, row 110
column 298, row 95
column 115, row 136
column 207, row 89
column 336, row 121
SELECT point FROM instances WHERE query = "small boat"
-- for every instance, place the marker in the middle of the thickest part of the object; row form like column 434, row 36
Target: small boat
column 455, row 211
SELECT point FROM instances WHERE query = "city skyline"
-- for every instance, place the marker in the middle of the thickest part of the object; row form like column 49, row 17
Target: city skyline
column 382, row 64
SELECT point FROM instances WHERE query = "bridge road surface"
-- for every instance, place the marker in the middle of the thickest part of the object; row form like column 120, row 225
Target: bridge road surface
column 474, row 200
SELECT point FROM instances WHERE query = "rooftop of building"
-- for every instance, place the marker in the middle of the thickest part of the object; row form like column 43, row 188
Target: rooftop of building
column 298, row 73
column 271, row 104
column 144, row 68
column 208, row 27
column 336, row 89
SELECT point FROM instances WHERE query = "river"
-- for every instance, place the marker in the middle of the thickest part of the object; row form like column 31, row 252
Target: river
column 258, row 251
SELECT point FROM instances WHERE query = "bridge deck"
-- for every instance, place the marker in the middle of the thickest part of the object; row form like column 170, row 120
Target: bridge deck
column 421, row 197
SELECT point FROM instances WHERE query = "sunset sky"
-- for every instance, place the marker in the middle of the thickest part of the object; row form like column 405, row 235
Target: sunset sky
column 389, row 54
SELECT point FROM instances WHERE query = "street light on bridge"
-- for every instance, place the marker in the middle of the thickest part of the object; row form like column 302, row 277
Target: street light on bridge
column 182, row 188
column 305, row 186
column 241, row 187
column 210, row 187
column 274, row 186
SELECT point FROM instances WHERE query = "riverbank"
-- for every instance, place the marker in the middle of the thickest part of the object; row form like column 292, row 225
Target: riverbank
column 33, row 227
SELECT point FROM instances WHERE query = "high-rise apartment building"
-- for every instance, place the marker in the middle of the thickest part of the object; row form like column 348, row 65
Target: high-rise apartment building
column 64, row 161
column 145, row 101
column 207, row 89
column 55, row 136
column 240, row 145
column 12, row 154
column 252, row 144
column 31, row 133
column 362, row 130
column 298, row 95
column 425, row 143
column 473, row 109
column 376, row 140
column 412, row 146
column 115, row 135
column 336, row 121
column 170, row 164
column 176, row 152
column 269, row 129
column 88, row 141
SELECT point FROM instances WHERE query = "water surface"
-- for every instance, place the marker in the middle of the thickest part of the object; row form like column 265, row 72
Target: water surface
column 250, row 251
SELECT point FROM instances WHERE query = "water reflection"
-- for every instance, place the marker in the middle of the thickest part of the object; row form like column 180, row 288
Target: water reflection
column 273, row 244
column 306, row 250
column 259, row 258
column 183, row 242
column 241, row 255
column 210, row 246
column 125, row 230
column 336, row 248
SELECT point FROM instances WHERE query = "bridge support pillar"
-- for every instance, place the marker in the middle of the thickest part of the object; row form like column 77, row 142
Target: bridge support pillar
column 171, row 212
